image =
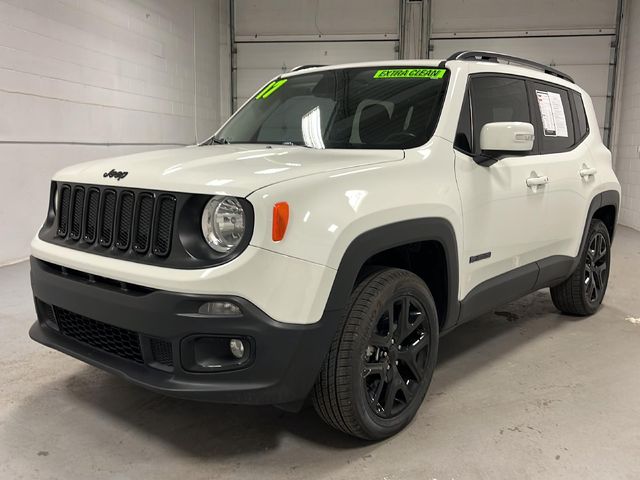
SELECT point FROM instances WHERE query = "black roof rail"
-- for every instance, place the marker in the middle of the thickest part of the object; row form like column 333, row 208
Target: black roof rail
column 479, row 55
column 304, row 67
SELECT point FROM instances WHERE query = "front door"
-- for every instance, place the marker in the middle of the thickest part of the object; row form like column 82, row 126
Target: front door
column 505, row 206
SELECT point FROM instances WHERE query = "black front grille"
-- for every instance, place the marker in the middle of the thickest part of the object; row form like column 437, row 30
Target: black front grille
column 106, row 217
column 77, row 212
column 63, row 204
column 125, row 218
column 108, row 338
column 144, row 214
column 122, row 219
column 91, row 217
column 164, row 225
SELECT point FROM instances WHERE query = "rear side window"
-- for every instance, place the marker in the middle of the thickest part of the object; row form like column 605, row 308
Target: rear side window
column 497, row 99
column 553, row 112
column 582, row 126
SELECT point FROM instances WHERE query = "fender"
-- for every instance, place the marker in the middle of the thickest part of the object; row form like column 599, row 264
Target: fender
column 363, row 247
column 393, row 235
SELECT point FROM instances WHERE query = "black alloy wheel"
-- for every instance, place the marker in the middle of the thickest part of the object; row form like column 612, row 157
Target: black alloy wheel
column 582, row 293
column 382, row 358
column 396, row 357
column 596, row 271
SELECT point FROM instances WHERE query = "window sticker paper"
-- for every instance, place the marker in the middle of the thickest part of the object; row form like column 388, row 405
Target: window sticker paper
column 558, row 114
column 554, row 121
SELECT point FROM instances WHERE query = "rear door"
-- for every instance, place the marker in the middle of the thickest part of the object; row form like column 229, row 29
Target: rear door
column 562, row 158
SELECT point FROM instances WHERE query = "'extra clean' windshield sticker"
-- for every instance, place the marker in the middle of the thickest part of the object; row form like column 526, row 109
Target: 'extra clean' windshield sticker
column 269, row 89
column 411, row 73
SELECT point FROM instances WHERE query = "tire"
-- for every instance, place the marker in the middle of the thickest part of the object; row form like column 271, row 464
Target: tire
column 382, row 358
column 582, row 293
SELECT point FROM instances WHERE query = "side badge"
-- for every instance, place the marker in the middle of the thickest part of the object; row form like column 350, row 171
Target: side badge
column 482, row 256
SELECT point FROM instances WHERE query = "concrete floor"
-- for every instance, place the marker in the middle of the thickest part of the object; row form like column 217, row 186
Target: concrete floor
column 521, row 393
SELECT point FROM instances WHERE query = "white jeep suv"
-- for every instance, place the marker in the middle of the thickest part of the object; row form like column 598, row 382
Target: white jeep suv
column 320, row 243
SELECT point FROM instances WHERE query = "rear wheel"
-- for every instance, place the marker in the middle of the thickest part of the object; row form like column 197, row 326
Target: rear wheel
column 382, row 359
column 582, row 293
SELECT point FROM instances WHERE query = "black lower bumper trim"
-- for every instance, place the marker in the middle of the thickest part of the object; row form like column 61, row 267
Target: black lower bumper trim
column 285, row 359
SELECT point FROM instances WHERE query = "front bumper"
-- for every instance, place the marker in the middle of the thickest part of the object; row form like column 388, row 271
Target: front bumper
column 285, row 358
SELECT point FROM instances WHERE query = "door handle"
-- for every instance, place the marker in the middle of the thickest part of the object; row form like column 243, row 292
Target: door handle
column 587, row 171
column 537, row 181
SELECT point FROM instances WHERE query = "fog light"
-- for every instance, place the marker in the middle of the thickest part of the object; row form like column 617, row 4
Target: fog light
column 209, row 353
column 219, row 308
column 237, row 347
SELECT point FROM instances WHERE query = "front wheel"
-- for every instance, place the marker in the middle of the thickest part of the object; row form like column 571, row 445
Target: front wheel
column 582, row 293
column 382, row 358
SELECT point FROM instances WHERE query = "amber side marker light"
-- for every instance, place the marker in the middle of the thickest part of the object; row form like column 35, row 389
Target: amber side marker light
column 280, row 220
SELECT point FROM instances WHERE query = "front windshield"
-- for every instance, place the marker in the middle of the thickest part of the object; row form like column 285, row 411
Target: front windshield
column 349, row 108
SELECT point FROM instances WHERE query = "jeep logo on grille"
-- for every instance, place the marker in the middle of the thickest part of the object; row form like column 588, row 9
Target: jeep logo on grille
column 115, row 174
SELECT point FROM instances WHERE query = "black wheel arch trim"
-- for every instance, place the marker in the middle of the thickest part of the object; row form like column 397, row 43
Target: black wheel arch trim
column 397, row 234
column 603, row 199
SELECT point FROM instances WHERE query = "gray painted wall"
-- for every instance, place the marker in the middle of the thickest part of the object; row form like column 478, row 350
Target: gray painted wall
column 135, row 72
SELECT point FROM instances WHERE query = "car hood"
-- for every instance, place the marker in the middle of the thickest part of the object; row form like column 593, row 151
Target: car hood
column 236, row 170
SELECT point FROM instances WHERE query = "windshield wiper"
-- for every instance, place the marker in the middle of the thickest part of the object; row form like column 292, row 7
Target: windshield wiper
column 218, row 141
column 292, row 144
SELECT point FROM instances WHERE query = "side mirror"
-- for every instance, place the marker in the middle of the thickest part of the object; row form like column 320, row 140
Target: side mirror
column 507, row 137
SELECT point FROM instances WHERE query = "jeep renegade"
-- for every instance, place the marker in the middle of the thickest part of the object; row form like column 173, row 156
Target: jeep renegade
column 320, row 243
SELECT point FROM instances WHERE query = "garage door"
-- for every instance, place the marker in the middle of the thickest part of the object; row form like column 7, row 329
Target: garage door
column 574, row 37
column 274, row 36
column 585, row 58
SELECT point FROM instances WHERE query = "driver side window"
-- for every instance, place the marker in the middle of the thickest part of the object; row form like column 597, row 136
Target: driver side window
column 492, row 99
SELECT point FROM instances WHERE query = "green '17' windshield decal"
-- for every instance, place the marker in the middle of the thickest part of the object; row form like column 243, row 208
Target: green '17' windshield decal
column 411, row 73
column 269, row 89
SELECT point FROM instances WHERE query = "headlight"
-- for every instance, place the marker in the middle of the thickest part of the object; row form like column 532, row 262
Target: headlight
column 223, row 223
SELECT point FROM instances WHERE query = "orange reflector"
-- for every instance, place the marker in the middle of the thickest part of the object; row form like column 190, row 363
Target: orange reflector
column 280, row 220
